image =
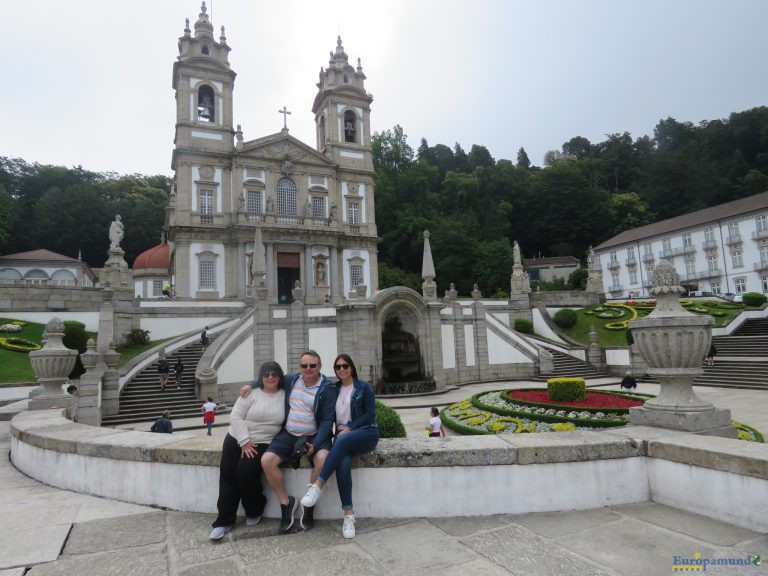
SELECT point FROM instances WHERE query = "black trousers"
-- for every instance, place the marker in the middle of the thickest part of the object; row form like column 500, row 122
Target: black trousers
column 239, row 480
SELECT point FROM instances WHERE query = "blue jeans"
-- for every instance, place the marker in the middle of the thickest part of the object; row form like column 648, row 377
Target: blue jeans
column 339, row 459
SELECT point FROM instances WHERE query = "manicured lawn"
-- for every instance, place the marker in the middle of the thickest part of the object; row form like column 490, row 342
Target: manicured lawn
column 128, row 353
column 720, row 311
column 15, row 366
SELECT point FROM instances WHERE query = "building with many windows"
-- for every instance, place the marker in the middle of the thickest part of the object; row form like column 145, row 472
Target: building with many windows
column 313, row 206
column 45, row 268
column 719, row 249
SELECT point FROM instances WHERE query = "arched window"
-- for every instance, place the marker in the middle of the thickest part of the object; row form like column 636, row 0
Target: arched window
column 63, row 278
column 350, row 133
column 36, row 277
column 286, row 197
column 205, row 104
column 10, row 276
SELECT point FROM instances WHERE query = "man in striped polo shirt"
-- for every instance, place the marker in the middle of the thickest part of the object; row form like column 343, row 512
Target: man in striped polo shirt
column 310, row 411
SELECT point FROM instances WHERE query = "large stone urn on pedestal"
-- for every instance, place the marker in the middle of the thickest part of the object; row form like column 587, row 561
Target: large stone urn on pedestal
column 673, row 343
column 52, row 365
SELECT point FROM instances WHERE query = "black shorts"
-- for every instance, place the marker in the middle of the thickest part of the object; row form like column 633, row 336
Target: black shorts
column 283, row 444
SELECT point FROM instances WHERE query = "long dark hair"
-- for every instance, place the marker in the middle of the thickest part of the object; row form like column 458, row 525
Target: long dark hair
column 270, row 366
column 348, row 360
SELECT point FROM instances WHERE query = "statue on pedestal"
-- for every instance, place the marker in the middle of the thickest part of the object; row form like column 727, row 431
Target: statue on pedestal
column 116, row 233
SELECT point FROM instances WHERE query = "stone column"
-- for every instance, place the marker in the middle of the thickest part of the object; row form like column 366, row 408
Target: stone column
column 110, row 389
column 594, row 351
column 181, row 269
column 271, row 272
column 89, row 390
column 334, row 274
column 309, row 272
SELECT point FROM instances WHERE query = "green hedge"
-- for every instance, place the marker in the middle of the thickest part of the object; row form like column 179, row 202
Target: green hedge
column 754, row 299
column 390, row 425
column 75, row 338
column 524, row 326
column 565, row 318
column 567, row 389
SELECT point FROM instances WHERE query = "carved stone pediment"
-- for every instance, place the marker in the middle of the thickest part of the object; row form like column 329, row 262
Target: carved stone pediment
column 281, row 147
column 207, row 173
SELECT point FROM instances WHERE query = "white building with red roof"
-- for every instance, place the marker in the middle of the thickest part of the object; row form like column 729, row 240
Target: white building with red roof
column 151, row 270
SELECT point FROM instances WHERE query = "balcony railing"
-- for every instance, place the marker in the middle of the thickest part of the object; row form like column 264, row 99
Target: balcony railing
column 762, row 265
column 647, row 257
column 733, row 239
column 709, row 245
column 666, row 253
column 631, row 261
column 613, row 264
column 760, row 234
column 689, row 249
column 703, row 274
column 206, row 218
column 616, row 288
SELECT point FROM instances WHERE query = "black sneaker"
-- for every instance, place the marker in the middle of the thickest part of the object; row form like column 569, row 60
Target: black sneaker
column 287, row 511
column 307, row 520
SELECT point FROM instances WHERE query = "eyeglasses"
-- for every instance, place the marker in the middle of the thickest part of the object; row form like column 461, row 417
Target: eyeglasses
column 271, row 375
column 305, row 366
column 342, row 367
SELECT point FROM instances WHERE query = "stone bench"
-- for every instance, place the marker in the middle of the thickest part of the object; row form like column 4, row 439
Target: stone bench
column 412, row 477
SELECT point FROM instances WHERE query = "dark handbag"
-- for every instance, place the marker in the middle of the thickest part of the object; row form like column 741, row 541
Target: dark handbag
column 299, row 450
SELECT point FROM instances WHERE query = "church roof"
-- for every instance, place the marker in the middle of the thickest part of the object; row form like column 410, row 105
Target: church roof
column 279, row 145
column 156, row 257
column 40, row 254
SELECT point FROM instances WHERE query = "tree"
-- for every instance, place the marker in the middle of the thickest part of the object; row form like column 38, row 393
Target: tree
column 479, row 157
column 391, row 151
column 522, row 159
column 6, row 217
column 460, row 159
column 578, row 147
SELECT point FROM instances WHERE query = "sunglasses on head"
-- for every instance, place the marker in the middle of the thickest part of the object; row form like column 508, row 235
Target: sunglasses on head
column 271, row 375
column 341, row 366
column 305, row 366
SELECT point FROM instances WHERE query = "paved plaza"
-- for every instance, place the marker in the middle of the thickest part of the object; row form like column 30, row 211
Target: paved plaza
column 47, row 531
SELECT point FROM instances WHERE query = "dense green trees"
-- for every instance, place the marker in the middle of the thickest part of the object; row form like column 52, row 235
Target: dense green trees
column 70, row 209
column 475, row 206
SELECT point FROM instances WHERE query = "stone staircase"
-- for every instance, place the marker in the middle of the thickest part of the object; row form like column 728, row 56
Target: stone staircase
column 752, row 327
column 750, row 340
column 143, row 401
column 570, row 367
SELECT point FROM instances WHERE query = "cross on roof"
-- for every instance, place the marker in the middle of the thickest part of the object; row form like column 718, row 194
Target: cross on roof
column 285, row 113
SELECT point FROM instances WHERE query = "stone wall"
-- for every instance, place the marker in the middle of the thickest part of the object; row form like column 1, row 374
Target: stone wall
column 49, row 299
column 564, row 298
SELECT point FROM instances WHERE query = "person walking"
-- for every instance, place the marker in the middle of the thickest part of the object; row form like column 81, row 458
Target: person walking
column 163, row 425
column 711, row 355
column 204, row 338
column 178, row 371
column 356, row 433
column 209, row 413
column 163, row 370
column 253, row 423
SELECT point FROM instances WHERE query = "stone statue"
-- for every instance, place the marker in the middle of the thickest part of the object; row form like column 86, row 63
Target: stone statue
column 517, row 260
column 116, row 233
column 241, row 207
column 590, row 258
column 308, row 208
column 333, row 210
column 320, row 274
column 270, row 205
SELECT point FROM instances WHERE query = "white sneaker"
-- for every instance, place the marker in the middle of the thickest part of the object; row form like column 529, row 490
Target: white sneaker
column 218, row 532
column 348, row 530
column 311, row 497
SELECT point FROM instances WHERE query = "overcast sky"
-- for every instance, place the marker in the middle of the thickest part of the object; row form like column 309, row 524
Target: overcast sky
column 89, row 82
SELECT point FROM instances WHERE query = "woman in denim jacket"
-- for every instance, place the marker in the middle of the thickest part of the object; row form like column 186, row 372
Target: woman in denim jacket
column 356, row 432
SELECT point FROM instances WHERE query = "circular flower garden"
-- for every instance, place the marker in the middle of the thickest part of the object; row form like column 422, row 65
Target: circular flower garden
column 530, row 410
column 619, row 315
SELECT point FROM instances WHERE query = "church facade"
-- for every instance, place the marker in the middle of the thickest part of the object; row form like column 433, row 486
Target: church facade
column 271, row 213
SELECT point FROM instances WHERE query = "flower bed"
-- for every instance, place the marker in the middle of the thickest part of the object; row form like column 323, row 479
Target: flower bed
column 500, row 412
column 599, row 400
column 18, row 344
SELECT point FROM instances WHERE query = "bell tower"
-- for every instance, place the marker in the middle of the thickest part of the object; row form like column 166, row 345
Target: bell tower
column 203, row 82
column 342, row 111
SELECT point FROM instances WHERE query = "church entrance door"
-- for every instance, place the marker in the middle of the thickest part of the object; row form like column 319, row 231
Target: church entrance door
column 288, row 271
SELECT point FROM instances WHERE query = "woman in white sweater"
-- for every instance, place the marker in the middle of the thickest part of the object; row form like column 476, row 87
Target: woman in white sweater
column 253, row 423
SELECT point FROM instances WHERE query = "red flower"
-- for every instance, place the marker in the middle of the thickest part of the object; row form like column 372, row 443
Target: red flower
column 594, row 399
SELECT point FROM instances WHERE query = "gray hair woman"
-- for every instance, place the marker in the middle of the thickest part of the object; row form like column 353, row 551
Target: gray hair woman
column 253, row 423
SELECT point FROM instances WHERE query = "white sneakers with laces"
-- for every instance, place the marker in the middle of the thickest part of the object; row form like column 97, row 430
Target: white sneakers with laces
column 311, row 497
column 348, row 529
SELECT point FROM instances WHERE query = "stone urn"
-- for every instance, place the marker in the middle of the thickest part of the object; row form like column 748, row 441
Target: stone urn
column 54, row 361
column 673, row 342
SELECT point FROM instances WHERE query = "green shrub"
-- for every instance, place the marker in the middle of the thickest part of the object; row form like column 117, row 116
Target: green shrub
column 390, row 425
column 137, row 337
column 566, row 389
column 754, row 299
column 565, row 318
column 75, row 338
column 524, row 326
